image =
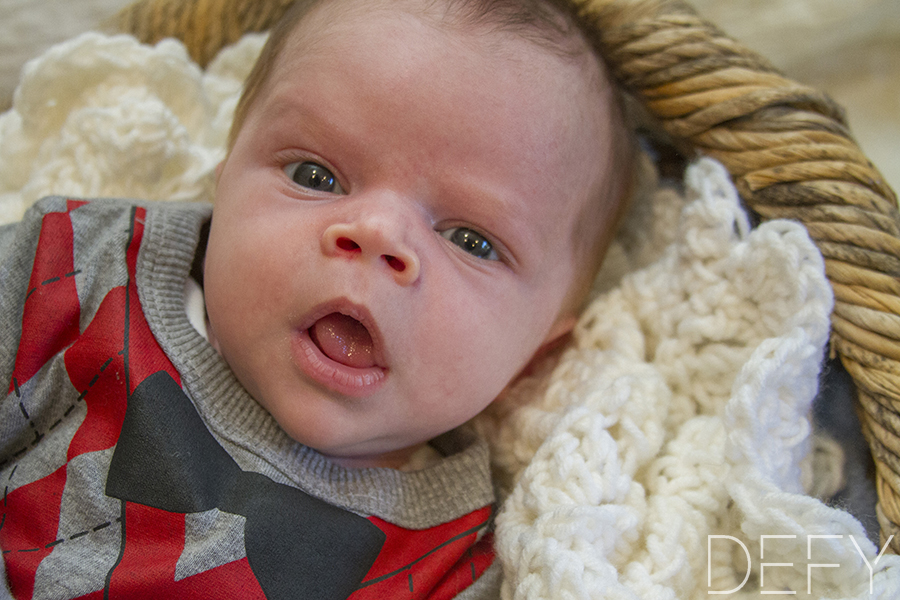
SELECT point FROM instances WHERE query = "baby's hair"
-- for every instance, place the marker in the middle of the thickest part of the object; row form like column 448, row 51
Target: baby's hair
column 551, row 24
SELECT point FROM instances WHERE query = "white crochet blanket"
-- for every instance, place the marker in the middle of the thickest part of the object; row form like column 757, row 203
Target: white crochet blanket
column 680, row 413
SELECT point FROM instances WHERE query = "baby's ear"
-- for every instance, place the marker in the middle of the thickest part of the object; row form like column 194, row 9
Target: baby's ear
column 560, row 330
column 557, row 339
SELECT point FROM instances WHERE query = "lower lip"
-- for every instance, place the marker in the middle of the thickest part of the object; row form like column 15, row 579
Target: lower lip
column 337, row 377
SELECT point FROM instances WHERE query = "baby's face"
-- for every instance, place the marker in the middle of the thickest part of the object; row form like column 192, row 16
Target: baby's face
column 392, row 238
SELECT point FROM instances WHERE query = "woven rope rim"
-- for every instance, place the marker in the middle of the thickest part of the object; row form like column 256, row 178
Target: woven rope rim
column 786, row 145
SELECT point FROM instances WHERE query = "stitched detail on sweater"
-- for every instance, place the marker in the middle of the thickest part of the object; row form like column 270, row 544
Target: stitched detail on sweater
column 56, row 542
column 74, row 536
column 53, row 280
column 38, row 435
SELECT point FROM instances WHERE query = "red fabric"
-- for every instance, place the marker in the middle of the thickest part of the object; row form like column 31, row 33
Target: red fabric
column 52, row 311
column 232, row 580
column 96, row 368
column 30, row 521
column 154, row 540
column 50, row 322
column 432, row 563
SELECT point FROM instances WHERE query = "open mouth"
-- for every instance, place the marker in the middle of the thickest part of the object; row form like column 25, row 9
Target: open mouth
column 340, row 349
column 344, row 340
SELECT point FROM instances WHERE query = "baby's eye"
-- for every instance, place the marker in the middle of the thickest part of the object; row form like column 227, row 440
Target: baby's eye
column 314, row 177
column 472, row 242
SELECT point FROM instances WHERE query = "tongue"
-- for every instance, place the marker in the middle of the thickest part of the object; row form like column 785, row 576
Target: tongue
column 344, row 339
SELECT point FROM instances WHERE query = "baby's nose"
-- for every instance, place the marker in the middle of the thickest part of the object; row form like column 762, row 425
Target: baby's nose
column 373, row 244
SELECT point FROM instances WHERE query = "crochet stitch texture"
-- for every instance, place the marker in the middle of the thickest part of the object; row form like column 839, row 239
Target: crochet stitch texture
column 682, row 411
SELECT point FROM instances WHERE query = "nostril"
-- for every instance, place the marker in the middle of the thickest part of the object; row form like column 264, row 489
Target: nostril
column 395, row 263
column 347, row 244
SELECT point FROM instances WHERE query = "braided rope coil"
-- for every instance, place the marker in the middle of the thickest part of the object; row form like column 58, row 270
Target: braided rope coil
column 786, row 145
column 205, row 26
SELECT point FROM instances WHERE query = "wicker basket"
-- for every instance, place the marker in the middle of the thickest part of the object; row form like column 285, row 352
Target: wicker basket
column 787, row 147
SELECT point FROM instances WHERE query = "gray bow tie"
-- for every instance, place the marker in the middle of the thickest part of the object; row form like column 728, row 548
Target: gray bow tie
column 297, row 546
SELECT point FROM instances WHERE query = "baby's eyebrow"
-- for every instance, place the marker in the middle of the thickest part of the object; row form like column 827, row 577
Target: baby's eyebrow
column 286, row 112
column 501, row 216
column 278, row 108
column 284, row 100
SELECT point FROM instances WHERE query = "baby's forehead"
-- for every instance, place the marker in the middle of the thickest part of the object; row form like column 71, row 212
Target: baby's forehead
column 581, row 102
column 549, row 45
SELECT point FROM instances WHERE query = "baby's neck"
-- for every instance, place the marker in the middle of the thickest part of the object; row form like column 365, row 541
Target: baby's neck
column 409, row 459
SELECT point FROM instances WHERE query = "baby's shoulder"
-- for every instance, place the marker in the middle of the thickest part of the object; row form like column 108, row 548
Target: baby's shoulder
column 103, row 242
column 105, row 208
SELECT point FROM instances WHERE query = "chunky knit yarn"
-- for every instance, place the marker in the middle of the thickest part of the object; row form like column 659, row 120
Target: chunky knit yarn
column 102, row 116
column 680, row 412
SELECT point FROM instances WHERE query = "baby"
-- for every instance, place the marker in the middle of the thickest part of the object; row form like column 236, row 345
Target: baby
column 415, row 200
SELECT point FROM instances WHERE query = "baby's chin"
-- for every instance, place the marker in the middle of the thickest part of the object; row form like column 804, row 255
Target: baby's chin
column 398, row 459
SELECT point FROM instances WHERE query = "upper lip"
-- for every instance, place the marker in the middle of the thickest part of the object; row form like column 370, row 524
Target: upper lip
column 359, row 312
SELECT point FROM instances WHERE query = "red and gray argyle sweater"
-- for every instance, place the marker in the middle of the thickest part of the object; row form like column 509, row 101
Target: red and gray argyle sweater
column 132, row 464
